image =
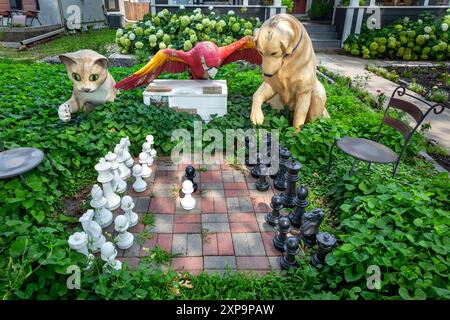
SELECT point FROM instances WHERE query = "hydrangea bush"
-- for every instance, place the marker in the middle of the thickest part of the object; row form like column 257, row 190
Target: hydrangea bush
column 183, row 30
column 424, row 39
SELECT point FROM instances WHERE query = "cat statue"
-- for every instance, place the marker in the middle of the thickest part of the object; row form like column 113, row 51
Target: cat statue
column 92, row 82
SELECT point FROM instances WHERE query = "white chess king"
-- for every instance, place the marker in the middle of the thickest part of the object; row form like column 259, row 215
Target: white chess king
column 102, row 216
column 188, row 202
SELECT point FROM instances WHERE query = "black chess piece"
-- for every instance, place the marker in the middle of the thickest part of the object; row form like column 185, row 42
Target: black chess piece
column 292, row 176
column 301, row 203
column 276, row 204
column 291, row 249
column 310, row 226
column 326, row 242
column 262, row 184
column 283, row 228
column 279, row 181
column 256, row 170
column 190, row 175
column 249, row 147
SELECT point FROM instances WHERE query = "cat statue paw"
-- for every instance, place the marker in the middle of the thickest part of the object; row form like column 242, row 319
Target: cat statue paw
column 92, row 82
column 64, row 112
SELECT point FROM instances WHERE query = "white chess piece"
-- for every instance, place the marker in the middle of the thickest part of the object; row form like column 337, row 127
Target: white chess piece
column 188, row 202
column 93, row 231
column 105, row 177
column 127, row 206
column 79, row 242
column 119, row 185
column 143, row 160
column 152, row 153
column 125, row 142
column 140, row 184
column 148, row 150
column 102, row 216
column 124, row 171
column 124, row 239
column 108, row 254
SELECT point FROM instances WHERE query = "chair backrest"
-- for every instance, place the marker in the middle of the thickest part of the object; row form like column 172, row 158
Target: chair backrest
column 5, row 6
column 411, row 109
column 29, row 5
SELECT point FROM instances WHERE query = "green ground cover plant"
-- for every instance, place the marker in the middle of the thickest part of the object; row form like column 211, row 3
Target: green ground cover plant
column 398, row 224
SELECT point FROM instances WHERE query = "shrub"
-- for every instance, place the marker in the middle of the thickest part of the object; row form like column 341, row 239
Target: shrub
column 173, row 30
column 424, row 39
column 289, row 4
column 321, row 10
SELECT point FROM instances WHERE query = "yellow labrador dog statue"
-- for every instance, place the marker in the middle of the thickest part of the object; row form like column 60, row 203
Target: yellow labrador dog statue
column 289, row 67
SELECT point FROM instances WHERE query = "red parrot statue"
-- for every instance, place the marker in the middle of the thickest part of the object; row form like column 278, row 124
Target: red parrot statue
column 201, row 61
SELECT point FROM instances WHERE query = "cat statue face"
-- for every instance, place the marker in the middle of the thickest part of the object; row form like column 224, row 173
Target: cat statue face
column 92, row 83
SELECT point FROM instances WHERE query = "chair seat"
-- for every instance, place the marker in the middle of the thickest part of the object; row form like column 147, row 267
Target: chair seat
column 367, row 150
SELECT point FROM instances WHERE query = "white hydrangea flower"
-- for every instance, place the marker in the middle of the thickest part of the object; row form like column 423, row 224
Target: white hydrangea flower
column 211, row 8
column 198, row 10
column 231, row 12
column 182, row 7
column 444, row 27
column 427, row 29
column 119, row 32
column 406, row 19
column 131, row 36
column 420, row 21
column 212, row 13
column 427, row 36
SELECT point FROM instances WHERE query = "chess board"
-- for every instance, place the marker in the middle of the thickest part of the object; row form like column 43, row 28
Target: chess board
column 225, row 229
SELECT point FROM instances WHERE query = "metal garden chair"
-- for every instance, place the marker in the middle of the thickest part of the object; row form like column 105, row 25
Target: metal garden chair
column 374, row 152
column 29, row 10
column 5, row 11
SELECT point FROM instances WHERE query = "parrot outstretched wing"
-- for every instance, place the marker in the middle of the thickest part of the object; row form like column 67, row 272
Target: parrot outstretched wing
column 243, row 49
column 167, row 60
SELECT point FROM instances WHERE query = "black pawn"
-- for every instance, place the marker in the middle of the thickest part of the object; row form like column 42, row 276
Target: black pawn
column 279, row 181
column 249, row 146
column 190, row 175
column 310, row 226
column 301, row 203
column 292, row 176
column 262, row 184
column 291, row 248
column 283, row 228
column 276, row 204
column 256, row 170
column 326, row 242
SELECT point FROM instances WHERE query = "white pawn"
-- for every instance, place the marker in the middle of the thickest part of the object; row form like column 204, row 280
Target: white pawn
column 143, row 160
column 188, row 202
column 93, row 231
column 102, row 216
column 127, row 207
column 146, row 148
column 124, row 239
column 124, row 171
column 108, row 254
column 105, row 177
column 119, row 185
column 140, row 184
column 125, row 142
column 79, row 242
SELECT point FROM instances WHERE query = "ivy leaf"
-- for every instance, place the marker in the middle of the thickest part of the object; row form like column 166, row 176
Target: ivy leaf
column 18, row 247
column 350, row 277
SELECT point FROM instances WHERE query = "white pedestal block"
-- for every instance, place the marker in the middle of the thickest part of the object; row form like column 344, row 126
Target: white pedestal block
column 190, row 96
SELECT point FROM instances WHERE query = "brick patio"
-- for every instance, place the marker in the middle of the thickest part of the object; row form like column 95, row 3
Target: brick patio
column 226, row 229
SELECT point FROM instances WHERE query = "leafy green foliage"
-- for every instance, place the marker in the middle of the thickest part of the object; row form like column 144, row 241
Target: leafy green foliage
column 424, row 39
column 399, row 224
column 321, row 10
column 182, row 31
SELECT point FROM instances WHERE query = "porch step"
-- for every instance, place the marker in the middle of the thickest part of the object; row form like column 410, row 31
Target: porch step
column 318, row 27
column 321, row 45
column 323, row 35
